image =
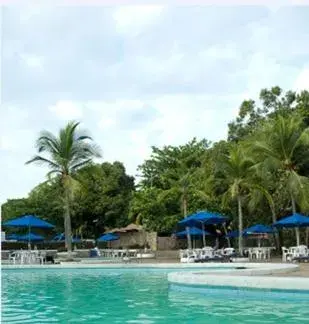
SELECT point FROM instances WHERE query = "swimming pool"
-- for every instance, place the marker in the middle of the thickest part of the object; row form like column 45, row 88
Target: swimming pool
column 136, row 296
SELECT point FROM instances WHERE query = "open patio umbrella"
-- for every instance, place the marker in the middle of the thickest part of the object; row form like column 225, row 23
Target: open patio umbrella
column 30, row 237
column 108, row 237
column 204, row 218
column 258, row 229
column 193, row 232
column 294, row 221
column 13, row 236
column 232, row 234
column 61, row 238
column 28, row 221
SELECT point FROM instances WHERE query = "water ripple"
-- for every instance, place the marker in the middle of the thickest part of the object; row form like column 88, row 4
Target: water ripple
column 120, row 296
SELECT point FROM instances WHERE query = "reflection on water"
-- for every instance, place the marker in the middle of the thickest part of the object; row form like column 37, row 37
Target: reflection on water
column 244, row 306
column 140, row 296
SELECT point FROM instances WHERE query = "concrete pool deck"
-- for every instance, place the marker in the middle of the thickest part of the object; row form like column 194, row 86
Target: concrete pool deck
column 258, row 276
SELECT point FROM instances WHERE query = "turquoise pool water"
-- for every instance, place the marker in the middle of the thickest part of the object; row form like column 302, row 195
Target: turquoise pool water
column 136, row 296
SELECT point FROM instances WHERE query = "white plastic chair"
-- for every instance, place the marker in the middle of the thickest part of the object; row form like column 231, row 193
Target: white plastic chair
column 12, row 257
column 228, row 251
column 187, row 256
column 285, row 254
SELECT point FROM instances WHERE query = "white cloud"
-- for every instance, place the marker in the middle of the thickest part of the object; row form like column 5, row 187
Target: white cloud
column 33, row 61
column 133, row 18
column 5, row 143
column 138, row 75
column 67, row 110
column 221, row 51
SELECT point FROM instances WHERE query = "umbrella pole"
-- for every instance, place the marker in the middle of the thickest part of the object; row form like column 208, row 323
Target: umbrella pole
column 204, row 237
column 29, row 244
column 297, row 236
column 225, row 232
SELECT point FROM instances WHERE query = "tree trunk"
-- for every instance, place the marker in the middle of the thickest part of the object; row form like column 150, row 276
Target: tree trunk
column 227, row 238
column 274, row 219
column 293, row 205
column 296, row 228
column 184, row 207
column 67, row 221
column 240, row 226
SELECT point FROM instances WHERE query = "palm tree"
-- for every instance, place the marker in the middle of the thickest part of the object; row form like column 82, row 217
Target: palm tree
column 280, row 146
column 64, row 155
column 180, row 187
column 182, row 182
column 235, row 168
column 260, row 193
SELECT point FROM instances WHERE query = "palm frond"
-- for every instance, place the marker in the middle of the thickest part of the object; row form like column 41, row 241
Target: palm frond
column 41, row 160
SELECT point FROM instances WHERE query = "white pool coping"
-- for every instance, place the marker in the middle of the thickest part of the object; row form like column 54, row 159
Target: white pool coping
column 256, row 276
column 121, row 265
column 251, row 268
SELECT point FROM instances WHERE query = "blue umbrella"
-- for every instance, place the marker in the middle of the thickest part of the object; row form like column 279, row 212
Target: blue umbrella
column 28, row 221
column 30, row 237
column 108, row 237
column 193, row 231
column 58, row 237
column 258, row 229
column 61, row 238
column 14, row 237
column 232, row 234
column 204, row 217
column 293, row 221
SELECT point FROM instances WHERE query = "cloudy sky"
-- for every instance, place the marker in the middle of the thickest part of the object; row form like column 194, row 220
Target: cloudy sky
column 137, row 76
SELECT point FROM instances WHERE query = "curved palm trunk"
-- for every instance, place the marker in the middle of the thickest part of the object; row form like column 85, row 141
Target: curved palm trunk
column 227, row 238
column 67, row 220
column 184, row 207
column 274, row 219
column 240, row 226
column 296, row 228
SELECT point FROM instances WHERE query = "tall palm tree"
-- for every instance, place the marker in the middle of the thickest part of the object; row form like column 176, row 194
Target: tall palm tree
column 235, row 169
column 280, row 147
column 64, row 155
column 180, row 187
column 259, row 193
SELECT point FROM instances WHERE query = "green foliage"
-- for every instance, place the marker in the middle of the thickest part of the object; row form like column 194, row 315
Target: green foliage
column 102, row 201
column 273, row 102
column 258, row 175
column 168, row 188
column 46, row 201
column 13, row 208
column 104, row 198
column 65, row 154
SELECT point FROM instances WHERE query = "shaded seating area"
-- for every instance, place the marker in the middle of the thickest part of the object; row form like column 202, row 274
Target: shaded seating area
column 299, row 252
column 30, row 256
column 206, row 253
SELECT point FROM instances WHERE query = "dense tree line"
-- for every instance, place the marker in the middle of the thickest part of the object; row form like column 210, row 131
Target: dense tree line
column 259, row 174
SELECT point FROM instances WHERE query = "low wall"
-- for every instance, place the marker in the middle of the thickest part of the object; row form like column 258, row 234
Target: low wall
column 135, row 239
column 170, row 243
